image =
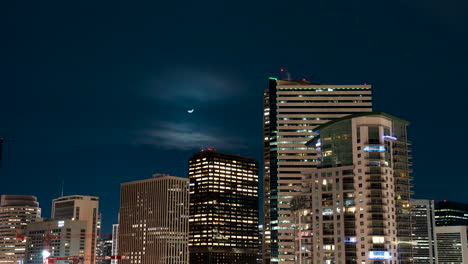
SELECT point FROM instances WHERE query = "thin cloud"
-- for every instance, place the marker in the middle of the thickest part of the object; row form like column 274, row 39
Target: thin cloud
column 188, row 136
column 196, row 85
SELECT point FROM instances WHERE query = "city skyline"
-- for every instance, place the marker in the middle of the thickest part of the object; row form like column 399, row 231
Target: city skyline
column 100, row 98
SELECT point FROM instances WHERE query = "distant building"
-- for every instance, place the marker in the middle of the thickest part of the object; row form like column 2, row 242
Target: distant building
column 153, row 221
column 449, row 213
column 355, row 206
column 423, row 234
column 56, row 238
column 223, row 208
column 452, row 245
column 82, row 208
column 16, row 212
column 260, row 245
column 104, row 251
column 292, row 111
column 115, row 242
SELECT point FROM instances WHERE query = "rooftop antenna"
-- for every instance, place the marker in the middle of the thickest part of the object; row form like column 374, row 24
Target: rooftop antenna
column 288, row 75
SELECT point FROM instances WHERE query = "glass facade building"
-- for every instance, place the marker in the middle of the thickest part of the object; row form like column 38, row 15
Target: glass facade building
column 223, row 208
column 423, row 234
column 449, row 213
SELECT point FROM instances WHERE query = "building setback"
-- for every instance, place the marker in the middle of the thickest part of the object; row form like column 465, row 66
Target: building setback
column 16, row 212
column 423, row 234
column 223, row 208
column 292, row 110
column 83, row 208
column 355, row 206
column 452, row 244
column 153, row 221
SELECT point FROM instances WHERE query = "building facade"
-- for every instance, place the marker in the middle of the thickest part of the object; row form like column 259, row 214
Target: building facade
column 115, row 243
column 223, row 208
column 56, row 239
column 450, row 213
column 104, row 251
column 452, row 245
column 82, row 208
column 292, row 110
column 355, row 206
column 423, row 234
column 16, row 212
column 153, row 221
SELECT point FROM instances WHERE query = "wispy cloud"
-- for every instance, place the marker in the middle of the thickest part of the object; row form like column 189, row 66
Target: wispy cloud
column 196, row 85
column 180, row 136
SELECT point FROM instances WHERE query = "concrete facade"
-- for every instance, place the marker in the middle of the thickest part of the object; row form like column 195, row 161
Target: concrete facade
column 16, row 212
column 355, row 206
column 82, row 208
column 292, row 110
column 153, row 221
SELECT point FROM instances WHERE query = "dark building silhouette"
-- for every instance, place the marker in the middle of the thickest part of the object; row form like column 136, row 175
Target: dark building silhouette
column 223, row 208
column 449, row 213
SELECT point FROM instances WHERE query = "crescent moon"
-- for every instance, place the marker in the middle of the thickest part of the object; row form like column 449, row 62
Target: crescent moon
column 190, row 111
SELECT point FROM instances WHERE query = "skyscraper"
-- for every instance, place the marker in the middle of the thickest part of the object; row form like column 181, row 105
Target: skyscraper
column 292, row 110
column 82, row 208
column 357, row 202
column 450, row 213
column 153, row 220
column 16, row 212
column 223, row 208
column 423, row 232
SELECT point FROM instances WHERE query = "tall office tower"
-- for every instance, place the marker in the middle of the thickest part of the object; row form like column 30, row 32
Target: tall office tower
column 452, row 244
column 356, row 203
column 83, row 208
column 56, row 239
column 115, row 242
column 153, row 220
column 423, row 235
column 223, row 208
column 449, row 213
column 292, row 110
column 16, row 212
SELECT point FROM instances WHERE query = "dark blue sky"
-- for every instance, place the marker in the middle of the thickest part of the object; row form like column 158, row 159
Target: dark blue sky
column 96, row 92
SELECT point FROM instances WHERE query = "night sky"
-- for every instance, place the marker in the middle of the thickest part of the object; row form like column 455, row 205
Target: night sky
column 97, row 92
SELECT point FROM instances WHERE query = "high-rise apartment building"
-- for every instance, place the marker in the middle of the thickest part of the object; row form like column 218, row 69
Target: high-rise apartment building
column 153, row 221
column 450, row 213
column 223, row 208
column 16, row 212
column 355, row 206
column 452, row 244
column 292, row 110
column 80, row 208
column 423, row 232
column 56, row 239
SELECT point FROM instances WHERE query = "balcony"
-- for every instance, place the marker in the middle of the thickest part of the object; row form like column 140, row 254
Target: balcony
column 375, row 179
column 376, row 195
